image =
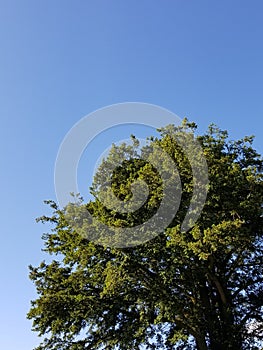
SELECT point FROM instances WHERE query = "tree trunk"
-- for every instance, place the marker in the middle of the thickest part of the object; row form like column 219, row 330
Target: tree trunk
column 201, row 343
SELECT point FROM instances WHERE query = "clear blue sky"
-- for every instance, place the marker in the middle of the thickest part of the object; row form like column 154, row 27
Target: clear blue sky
column 61, row 60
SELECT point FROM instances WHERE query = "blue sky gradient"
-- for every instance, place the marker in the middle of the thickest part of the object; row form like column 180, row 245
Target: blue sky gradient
column 61, row 60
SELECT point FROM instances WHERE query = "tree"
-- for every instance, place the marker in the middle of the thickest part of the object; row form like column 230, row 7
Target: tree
column 194, row 289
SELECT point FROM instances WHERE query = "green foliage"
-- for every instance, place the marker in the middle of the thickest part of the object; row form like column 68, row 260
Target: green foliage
column 200, row 289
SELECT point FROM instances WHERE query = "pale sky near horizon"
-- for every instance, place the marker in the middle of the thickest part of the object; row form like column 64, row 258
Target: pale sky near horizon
column 62, row 60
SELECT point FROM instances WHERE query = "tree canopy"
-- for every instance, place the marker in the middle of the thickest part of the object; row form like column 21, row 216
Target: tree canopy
column 199, row 288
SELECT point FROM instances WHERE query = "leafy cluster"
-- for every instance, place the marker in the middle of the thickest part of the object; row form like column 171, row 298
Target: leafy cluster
column 200, row 289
